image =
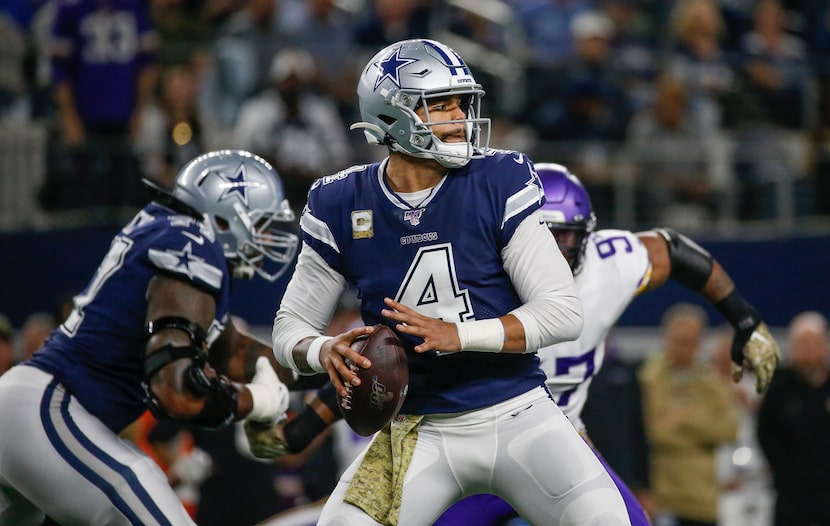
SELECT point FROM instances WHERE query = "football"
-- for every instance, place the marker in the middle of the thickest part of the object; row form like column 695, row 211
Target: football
column 378, row 398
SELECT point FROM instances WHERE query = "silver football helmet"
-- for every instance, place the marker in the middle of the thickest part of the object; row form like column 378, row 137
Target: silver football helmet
column 398, row 80
column 241, row 198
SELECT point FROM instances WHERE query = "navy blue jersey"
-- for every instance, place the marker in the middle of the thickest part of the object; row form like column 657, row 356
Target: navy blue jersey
column 98, row 352
column 442, row 259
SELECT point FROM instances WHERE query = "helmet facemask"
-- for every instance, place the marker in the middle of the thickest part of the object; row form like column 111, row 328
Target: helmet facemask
column 572, row 238
column 266, row 249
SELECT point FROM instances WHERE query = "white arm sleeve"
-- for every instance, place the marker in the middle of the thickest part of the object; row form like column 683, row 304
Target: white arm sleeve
column 307, row 305
column 551, row 310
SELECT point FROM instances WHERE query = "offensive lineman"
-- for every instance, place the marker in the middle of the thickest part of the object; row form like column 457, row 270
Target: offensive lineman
column 611, row 267
column 138, row 336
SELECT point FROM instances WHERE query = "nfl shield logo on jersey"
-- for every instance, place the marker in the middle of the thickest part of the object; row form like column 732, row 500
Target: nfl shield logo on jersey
column 413, row 216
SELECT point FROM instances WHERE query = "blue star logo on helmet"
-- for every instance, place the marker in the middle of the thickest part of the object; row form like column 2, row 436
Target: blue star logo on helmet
column 390, row 68
column 236, row 185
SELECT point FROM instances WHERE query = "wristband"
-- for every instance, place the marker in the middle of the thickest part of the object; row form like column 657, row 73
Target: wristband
column 481, row 335
column 738, row 312
column 312, row 356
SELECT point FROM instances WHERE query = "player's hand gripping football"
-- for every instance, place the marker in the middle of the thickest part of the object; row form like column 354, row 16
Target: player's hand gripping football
column 335, row 352
column 756, row 349
column 266, row 440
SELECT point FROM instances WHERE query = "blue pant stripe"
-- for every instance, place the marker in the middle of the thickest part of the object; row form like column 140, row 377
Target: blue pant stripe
column 87, row 471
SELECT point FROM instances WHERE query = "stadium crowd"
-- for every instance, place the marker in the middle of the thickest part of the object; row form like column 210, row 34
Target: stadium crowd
column 688, row 113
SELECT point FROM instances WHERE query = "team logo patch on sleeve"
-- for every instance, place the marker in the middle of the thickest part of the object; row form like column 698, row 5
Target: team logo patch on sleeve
column 362, row 226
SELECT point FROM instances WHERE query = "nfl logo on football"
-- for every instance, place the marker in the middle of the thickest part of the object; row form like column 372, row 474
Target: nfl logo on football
column 413, row 216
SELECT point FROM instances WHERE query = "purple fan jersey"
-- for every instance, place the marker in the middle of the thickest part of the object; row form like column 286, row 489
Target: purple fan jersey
column 99, row 47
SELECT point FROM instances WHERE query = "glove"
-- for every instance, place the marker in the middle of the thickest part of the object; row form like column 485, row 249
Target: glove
column 266, row 440
column 269, row 394
column 760, row 353
column 193, row 468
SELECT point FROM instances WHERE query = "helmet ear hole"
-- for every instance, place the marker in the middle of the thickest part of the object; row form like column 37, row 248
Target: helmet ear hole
column 223, row 224
column 387, row 119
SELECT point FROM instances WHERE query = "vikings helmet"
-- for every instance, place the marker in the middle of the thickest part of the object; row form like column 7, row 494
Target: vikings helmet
column 567, row 209
column 241, row 198
column 398, row 80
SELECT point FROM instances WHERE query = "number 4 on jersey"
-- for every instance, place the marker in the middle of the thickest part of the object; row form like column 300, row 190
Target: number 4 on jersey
column 431, row 286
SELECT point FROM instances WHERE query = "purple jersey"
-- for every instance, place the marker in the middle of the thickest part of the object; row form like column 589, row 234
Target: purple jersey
column 441, row 259
column 99, row 47
column 98, row 352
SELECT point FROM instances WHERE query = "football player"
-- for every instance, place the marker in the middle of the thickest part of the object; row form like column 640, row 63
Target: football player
column 139, row 336
column 444, row 242
column 611, row 267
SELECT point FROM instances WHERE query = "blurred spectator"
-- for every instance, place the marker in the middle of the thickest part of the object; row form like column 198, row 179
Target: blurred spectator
column 388, row 21
column 666, row 150
column 794, row 426
column 335, row 56
column 635, row 46
column 775, row 69
column 6, row 344
column 184, row 30
column 771, row 112
column 689, row 411
column 547, row 26
column 13, row 88
column 243, row 48
column 294, row 127
column 584, row 110
column 697, row 57
column 103, row 72
column 171, row 132
column 746, row 497
column 614, row 414
column 34, row 331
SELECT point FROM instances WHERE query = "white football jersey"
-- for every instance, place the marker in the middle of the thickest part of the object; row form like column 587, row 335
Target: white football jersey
column 616, row 267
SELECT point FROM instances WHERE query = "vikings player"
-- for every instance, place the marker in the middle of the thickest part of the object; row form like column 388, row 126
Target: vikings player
column 444, row 242
column 611, row 267
column 138, row 336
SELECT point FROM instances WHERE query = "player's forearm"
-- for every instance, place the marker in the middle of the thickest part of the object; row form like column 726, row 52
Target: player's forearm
column 319, row 413
column 306, row 308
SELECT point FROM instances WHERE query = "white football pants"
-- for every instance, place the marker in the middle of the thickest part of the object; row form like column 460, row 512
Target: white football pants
column 523, row 450
column 57, row 459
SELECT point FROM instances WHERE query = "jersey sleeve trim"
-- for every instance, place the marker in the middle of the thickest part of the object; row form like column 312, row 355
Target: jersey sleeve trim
column 521, row 201
column 184, row 263
column 644, row 281
column 318, row 230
